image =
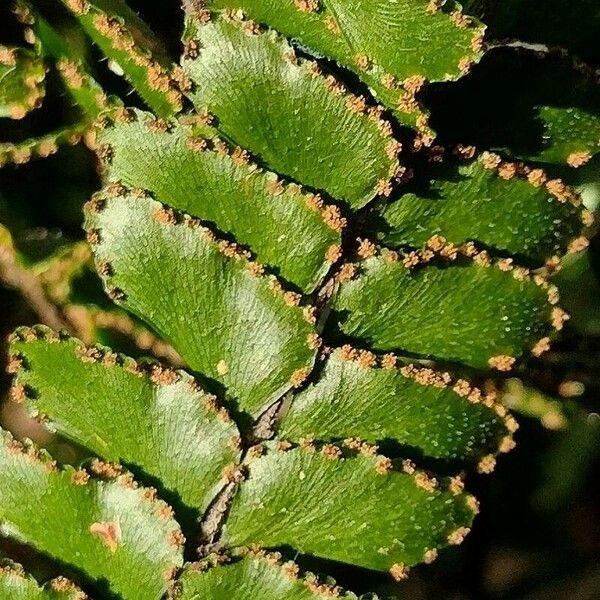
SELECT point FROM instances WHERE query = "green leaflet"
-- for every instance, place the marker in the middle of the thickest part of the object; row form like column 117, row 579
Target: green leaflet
column 408, row 406
column 225, row 319
column 74, row 71
column 42, row 146
column 112, row 530
column 280, row 108
column 574, row 25
column 283, row 225
column 403, row 38
column 545, row 108
column 490, row 205
column 21, row 81
column 351, row 510
column 158, row 420
column 124, row 38
column 463, row 312
column 252, row 576
column 385, row 43
column 85, row 92
column 252, row 340
column 16, row 584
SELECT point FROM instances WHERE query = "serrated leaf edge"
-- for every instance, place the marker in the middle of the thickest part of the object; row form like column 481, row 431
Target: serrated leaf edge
column 535, row 176
column 99, row 470
column 382, row 466
column 59, row 584
column 152, row 370
column 168, row 82
column 41, row 147
column 330, row 213
column 427, row 376
column 9, row 56
column 169, row 217
column 289, row 569
column 355, row 104
column 438, row 249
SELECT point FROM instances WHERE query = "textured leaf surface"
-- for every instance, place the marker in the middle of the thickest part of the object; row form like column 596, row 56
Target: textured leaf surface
column 224, row 318
column 464, row 313
column 385, row 43
column 283, row 225
column 158, row 420
column 251, row 577
column 21, row 81
column 543, row 108
column 342, row 509
column 279, row 108
column 15, row 584
column 403, row 38
column 492, row 206
column 412, row 407
column 124, row 38
column 108, row 529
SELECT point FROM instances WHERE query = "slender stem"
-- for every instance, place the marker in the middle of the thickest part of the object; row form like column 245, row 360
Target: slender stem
column 28, row 285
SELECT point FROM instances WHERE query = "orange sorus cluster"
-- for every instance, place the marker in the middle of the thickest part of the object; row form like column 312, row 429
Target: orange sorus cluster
column 159, row 78
column 170, row 217
column 33, row 99
column 429, row 377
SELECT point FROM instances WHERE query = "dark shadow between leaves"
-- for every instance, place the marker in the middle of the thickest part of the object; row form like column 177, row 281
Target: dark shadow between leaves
column 357, row 579
column 574, row 25
column 45, row 567
column 334, row 337
column 497, row 105
column 186, row 516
